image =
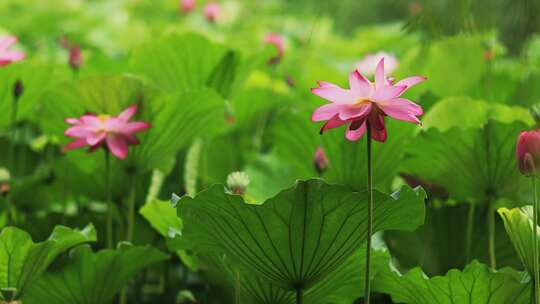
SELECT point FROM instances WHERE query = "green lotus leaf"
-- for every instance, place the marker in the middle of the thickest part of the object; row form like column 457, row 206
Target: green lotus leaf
column 470, row 113
column 519, row 225
column 162, row 217
column 344, row 285
column 473, row 164
column 476, row 284
column 92, row 278
column 22, row 261
column 36, row 79
column 180, row 62
column 297, row 238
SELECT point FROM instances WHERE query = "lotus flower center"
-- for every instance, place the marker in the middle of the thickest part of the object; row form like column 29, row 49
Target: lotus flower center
column 103, row 117
column 361, row 102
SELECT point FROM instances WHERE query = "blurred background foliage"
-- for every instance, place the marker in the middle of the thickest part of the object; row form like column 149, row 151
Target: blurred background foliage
column 216, row 107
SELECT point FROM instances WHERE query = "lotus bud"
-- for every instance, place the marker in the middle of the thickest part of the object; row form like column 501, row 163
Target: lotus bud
column 528, row 152
column 212, row 11
column 75, row 57
column 320, row 160
column 18, row 89
column 238, row 182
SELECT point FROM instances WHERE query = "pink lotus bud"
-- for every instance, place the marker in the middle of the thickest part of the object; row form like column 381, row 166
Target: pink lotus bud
column 18, row 89
column 528, row 152
column 211, row 11
column 75, row 57
column 186, row 6
column 320, row 161
column 277, row 41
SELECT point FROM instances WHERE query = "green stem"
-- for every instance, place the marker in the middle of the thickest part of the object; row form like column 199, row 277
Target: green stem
column 491, row 235
column 108, row 184
column 299, row 296
column 10, row 212
column 131, row 208
column 367, row 286
column 470, row 230
column 535, row 244
column 13, row 122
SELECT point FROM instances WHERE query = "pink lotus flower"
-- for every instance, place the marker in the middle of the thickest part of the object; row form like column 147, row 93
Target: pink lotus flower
column 211, row 11
column 7, row 56
column 113, row 132
column 75, row 57
column 277, row 41
column 368, row 64
column 366, row 104
column 186, row 6
column 528, row 152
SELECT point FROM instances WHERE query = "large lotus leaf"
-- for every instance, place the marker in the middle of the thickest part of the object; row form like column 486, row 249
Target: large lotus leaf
column 519, row 225
column 475, row 164
column 36, row 79
column 297, row 139
column 441, row 243
column 343, row 285
column 268, row 175
column 465, row 113
column 22, row 261
column 179, row 62
column 446, row 61
column 299, row 236
column 476, row 284
column 92, row 278
column 176, row 121
column 162, row 217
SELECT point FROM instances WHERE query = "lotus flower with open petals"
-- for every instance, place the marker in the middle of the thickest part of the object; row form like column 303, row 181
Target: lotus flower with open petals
column 8, row 56
column 366, row 104
column 115, row 133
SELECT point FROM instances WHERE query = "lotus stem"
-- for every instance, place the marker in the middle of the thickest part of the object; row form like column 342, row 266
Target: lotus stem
column 470, row 230
column 108, row 184
column 131, row 208
column 10, row 214
column 299, row 295
column 535, row 243
column 491, row 235
column 367, row 286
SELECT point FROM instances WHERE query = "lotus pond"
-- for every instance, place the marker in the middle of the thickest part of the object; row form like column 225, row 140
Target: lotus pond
column 269, row 151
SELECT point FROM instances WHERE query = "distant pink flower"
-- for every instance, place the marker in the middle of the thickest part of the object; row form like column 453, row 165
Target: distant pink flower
column 186, row 6
column 75, row 57
column 368, row 64
column 113, row 132
column 277, row 41
column 6, row 55
column 366, row 104
column 528, row 153
column 211, row 11
column 320, row 160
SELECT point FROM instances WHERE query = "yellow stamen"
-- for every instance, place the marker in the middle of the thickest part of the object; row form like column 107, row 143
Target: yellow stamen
column 103, row 117
column 361, row 102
